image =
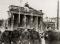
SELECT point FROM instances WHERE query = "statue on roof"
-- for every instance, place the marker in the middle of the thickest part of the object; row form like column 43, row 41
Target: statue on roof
column 26, row 4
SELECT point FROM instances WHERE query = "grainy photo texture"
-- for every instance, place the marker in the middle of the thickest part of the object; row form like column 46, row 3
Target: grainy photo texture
column 29, row 22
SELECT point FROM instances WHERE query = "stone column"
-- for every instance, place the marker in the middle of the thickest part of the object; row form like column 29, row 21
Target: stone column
column 37, row 23
column 28, row 21
column 24, row 19
column 31, row 22
column 12, row 21
column 19, row 18
column 41, row 24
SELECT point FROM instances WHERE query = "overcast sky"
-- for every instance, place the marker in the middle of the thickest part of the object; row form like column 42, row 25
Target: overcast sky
column 49, row 7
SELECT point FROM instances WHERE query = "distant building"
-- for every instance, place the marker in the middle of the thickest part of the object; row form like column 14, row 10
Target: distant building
column 25, row 17
column 49, row 23
column 54, row 19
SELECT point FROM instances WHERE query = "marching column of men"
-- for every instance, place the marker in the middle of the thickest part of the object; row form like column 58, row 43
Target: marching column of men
column 22, row 36
column 30, row 36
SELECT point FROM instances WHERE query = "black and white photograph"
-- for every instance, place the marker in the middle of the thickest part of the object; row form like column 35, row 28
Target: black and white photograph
column 29, row 21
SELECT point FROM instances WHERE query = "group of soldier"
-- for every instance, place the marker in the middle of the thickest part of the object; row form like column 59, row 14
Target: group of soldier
column 20, row 36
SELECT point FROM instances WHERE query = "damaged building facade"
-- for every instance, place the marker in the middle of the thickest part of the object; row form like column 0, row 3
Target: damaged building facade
column 25, row 17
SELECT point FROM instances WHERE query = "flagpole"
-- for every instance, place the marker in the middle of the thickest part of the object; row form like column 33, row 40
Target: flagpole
column 58, row 15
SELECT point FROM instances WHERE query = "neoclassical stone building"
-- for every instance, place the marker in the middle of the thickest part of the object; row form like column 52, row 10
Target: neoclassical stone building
column 25, row 17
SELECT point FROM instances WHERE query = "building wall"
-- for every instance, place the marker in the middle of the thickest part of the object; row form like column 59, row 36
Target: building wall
column 27, row 19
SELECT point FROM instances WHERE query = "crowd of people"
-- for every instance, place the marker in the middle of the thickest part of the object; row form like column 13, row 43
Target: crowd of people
column 29, row 36
column 20, row 36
